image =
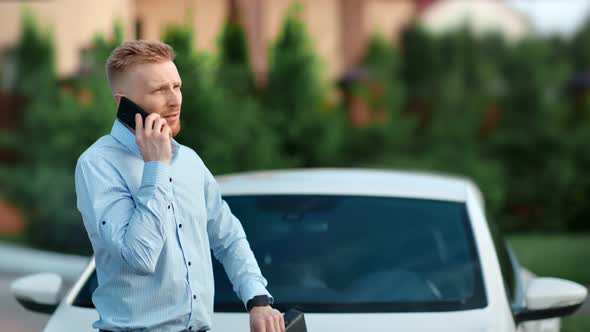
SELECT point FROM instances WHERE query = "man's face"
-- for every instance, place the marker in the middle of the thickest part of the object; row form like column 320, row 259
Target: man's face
column 155, row 87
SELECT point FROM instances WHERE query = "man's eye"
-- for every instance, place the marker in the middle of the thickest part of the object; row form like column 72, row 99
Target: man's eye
column 177, row 86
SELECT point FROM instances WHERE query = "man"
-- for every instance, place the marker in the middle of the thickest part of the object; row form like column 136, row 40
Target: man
column 153, row 212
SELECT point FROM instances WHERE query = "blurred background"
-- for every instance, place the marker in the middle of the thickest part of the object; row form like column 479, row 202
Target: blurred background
column 493, row 90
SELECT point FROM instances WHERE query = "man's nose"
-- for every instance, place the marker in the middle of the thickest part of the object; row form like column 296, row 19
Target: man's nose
column 174, row 98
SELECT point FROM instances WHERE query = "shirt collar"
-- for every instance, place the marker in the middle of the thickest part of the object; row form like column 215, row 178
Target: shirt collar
column 126, row 137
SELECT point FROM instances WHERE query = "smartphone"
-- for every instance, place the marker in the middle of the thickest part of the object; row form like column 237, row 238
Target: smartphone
column 294, row 321
column 127, row 110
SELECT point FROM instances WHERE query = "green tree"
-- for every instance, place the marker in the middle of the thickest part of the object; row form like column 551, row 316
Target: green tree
column 97, row 108
column 580, row 48
column 576, row 129
column 570, row 207
column 35, row 56
column 462, row 81
column 295, row 99
column 421, row 63
column 387, row 139
column 59, row 123
column 234, row 72
column 528, row 139
column 225, row 129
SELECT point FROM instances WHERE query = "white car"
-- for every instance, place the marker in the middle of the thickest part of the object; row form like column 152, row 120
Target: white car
column 360, row 250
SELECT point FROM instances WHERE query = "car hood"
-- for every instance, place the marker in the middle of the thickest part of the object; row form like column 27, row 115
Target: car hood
column 472, row 321
column 481, row 320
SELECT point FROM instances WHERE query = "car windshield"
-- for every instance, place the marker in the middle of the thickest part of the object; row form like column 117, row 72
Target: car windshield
column 358, row 254
column 324, row 253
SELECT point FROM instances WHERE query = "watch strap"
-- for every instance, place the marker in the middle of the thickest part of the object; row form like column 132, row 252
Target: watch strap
column 259, row 301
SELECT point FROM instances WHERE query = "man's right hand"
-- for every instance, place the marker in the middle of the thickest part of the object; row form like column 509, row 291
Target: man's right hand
column 153, row 139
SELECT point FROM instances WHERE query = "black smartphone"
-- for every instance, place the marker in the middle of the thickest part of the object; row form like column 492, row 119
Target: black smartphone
column 294, row 321
column 127, row 110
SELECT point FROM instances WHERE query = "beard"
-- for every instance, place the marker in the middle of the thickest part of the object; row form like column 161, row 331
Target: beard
column 175, row 128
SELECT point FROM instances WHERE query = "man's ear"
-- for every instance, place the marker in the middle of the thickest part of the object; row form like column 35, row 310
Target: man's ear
column 117, row 98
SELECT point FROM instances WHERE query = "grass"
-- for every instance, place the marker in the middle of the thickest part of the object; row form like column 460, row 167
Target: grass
column 576, row 324
column 561, row 256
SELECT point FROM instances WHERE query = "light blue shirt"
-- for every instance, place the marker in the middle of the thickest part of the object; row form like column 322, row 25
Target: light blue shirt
column 152, row 226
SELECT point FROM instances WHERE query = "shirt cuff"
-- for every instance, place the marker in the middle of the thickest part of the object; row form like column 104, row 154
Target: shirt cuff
column 253, row 289
column 156, row 173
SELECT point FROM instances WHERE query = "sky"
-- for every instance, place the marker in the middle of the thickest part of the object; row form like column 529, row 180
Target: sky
column 550, row 17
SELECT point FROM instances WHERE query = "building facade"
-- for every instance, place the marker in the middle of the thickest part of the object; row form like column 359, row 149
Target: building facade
column 338, row 29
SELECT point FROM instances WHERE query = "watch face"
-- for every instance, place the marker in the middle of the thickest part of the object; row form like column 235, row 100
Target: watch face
column 262, row 300
column 259, row 301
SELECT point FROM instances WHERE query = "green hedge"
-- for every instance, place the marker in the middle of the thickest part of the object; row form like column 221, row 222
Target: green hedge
column 479, row 107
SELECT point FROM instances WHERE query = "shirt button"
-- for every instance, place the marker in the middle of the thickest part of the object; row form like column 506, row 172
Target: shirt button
column 168, row 207
column 170, row 179
column 104, row 222
column 189, row 263
column 190, row 328
column 194, row 297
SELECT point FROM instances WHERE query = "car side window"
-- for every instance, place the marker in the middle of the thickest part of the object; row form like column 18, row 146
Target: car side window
column 84, row 297
column 507, row 267
column 508, row 272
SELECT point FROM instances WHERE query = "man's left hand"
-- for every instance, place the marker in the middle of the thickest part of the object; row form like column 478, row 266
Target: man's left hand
column 266, row 319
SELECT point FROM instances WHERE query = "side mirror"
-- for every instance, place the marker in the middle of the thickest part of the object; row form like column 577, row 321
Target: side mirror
column 38, row 292
column 551, row 298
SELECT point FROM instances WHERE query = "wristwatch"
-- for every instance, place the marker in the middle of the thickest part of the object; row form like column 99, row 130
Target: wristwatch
column 259, row 301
